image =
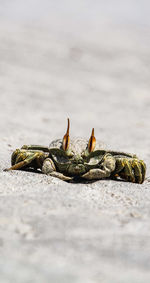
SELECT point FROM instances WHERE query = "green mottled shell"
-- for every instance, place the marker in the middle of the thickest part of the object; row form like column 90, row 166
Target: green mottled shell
column 77, row 145
column 76, row 160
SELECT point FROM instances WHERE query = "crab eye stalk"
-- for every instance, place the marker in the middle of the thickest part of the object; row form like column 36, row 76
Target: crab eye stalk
column 66, row 138
column 92, row 142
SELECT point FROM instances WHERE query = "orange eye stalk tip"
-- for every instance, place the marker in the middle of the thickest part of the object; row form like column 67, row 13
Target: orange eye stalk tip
column 92, row 142
column 66, row 138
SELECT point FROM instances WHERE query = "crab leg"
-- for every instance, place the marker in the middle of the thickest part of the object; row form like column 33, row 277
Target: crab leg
column 131, row 169
column 139, row 168
column 23, row 163
column 124, row 170
column 143, row 169
column 35, row 147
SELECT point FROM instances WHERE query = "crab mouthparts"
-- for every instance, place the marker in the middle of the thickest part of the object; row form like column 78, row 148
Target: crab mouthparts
column 76, row 169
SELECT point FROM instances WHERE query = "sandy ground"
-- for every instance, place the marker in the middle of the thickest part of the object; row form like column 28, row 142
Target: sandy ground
column 52, row 231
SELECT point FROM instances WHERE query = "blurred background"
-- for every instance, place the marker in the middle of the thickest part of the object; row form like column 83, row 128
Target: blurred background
column 88, row 60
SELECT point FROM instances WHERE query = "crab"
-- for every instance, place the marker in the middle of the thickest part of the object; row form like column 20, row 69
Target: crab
column 68, row 159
